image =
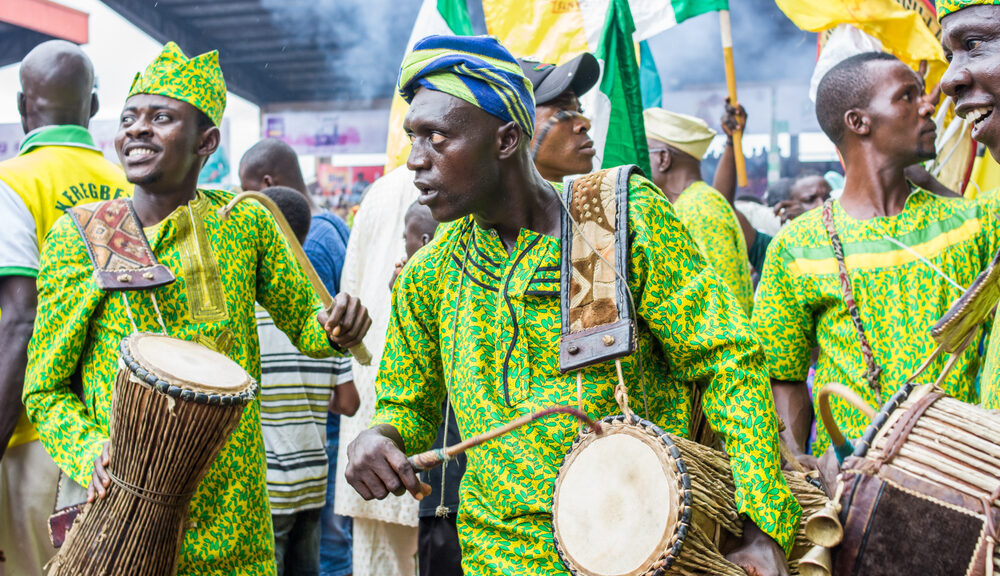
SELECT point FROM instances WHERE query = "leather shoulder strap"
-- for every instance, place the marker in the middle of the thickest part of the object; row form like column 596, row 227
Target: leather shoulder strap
column 874, row 371
column 597, row 323
column 117, row 247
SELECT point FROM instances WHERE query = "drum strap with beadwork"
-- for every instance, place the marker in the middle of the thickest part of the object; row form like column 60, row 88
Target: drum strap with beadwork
column 874, row 371
column 117, row 247
column 597, row 323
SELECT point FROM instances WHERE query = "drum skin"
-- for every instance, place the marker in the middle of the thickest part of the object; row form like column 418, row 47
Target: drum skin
column 637, row 501
column 166, row 430
column 619, row 497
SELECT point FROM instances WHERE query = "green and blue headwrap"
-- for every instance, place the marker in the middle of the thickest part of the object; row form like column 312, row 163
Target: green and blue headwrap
column 477, row 69
column 945, row 7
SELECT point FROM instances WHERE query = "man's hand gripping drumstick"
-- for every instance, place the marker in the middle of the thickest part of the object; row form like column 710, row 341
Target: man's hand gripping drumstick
column 377, row 466
column 344, row 318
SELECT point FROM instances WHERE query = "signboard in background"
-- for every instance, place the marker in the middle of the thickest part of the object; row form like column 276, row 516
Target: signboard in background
column 216, row 170
column 340, row 188
column 329, row 133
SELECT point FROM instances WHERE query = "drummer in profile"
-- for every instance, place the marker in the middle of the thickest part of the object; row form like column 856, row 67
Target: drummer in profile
column 476, row 315
column 168, row 128
column 969, row 37
column 865, row 277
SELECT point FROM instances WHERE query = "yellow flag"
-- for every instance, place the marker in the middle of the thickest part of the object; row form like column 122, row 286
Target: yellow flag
column 906, row 28
column 549, row 30
column 985, row 180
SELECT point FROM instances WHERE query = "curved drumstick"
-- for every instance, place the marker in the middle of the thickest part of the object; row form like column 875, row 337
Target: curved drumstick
column 840, row 444
column 360, row 351
column 433, row 458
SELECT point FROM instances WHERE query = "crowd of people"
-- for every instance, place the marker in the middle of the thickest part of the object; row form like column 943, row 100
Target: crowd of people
column 452, row 275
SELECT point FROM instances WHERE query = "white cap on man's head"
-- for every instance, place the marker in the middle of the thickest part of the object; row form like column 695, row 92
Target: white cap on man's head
column 686, row 133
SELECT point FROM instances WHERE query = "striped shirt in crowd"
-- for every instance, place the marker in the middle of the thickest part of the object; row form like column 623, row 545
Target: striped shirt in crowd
column 295, row 393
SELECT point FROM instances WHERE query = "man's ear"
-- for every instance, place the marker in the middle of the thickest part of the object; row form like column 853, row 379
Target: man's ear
column 509, row 138
column 857, row 122
column 266, row 181
column 666, row 158
column 95, row 104
column 209, row 141
column 425, row 239
column 22, row 104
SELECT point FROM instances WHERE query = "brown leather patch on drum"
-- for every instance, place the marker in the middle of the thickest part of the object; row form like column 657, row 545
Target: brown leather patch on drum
column 896, row 539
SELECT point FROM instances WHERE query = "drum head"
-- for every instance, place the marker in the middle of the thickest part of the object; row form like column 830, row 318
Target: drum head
column 617, row 501
column 188, row 364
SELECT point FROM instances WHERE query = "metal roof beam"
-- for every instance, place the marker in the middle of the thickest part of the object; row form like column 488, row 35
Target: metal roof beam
column 155, row 20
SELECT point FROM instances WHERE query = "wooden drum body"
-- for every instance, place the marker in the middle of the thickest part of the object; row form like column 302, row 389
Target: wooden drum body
column 920, row 495
column 173, row 407
column 636, row 501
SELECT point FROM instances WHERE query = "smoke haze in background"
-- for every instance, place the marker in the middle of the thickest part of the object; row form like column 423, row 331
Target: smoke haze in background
column 767, row 47
column 362, row 41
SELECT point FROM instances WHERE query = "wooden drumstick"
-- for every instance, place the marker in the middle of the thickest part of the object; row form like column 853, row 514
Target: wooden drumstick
column 434, row 458
column 360, row 352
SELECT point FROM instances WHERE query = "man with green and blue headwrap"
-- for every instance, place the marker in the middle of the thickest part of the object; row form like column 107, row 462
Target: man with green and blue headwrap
column 970, row 35
column 476, row 315
column 168, row 128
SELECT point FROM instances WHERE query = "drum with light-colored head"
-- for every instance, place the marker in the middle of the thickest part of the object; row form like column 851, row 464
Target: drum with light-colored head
column 635, row 501
column 173, row 407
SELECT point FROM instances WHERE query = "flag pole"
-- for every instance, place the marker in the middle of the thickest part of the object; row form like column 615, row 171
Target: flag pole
column 726, row 30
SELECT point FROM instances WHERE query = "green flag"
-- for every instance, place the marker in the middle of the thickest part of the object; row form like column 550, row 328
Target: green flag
column 617, row 128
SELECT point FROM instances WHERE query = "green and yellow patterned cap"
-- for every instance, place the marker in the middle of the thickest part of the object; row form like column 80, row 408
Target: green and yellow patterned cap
column 197, row 81
column 945, row 7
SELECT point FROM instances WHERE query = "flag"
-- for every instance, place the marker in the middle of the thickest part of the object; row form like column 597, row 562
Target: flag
column 616, row 121
column 906, row 28
column 435, row 17
column 649, row 78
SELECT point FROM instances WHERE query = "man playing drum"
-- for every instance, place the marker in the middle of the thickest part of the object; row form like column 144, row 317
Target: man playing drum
column 476, row 314
column 866, row 276
column 168, row 129
column 970, row 34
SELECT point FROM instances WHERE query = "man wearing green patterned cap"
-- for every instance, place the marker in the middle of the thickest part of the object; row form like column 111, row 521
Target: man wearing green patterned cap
column 168, row 128
column 969, row 35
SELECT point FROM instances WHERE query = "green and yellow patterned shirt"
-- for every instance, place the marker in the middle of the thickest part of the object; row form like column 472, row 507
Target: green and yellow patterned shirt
column 800, row 304
column 714, row 227
column 691, row 332
column 222, row 267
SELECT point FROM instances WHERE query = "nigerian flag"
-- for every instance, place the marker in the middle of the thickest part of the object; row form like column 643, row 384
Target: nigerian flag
column 435, row 17
column 615, row 107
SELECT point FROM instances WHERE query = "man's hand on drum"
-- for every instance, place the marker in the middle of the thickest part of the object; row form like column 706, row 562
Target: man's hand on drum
column 100, row 480
column 758, row 554
column 377, row 467
column 346, row 321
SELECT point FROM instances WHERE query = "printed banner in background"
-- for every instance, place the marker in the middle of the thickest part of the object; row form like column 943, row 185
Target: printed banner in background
column 328, row 133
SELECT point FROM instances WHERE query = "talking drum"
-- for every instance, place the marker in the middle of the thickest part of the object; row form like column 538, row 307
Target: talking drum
column 636, row 501
column 920, row 495
column 173, row 408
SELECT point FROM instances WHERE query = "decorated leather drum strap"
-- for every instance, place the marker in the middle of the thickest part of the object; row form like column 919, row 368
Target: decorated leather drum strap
column 874, row 371
column 597, row 323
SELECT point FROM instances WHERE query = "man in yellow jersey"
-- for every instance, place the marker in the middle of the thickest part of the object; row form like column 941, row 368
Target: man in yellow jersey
column 57, row 167
column 677, row 143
